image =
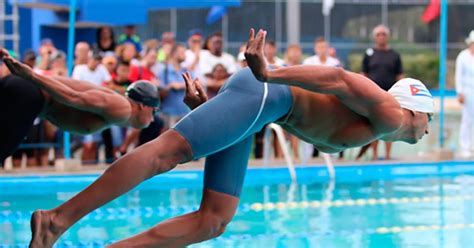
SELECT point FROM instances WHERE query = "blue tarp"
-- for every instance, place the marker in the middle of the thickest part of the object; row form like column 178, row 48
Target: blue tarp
column 122, row 12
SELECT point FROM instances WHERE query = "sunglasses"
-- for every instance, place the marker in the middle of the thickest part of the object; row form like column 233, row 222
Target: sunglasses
column 430, row 118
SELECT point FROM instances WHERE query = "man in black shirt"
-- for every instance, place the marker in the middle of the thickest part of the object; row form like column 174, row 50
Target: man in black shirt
column 384, row 66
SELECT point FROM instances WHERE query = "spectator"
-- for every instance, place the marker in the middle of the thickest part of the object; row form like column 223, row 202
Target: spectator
column 194, row 49
column 321, row 56
column 120, row 82
column 129, row 36
column 81, row 53
column 113, row 137
column 465, row 90
column 241, row 57
column 93, row 72
column 110, row 63
column 173, row 107
column 58, row 66
column 128, row 52
column 29, row 58
column 384, row 66
column 270, row 51
column 143, row 71
column 105, row 41
column 167, row 42
column 216, row 79
column 151, row 44
column 46, row 49
column 52, row 134
column 293, row 55
column 210, row 58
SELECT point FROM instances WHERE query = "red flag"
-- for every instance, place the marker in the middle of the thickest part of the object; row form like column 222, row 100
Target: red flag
column 432, row 11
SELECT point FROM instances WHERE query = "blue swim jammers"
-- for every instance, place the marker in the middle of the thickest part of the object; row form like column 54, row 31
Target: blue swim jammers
column 222, row 128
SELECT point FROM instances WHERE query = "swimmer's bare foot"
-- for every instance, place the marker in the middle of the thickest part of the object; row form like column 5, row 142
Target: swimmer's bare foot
column 44, row 231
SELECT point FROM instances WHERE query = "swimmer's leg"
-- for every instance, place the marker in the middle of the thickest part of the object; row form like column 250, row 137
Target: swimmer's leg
column 155, row 157
column 223, row 179
column 21, row 102
column 224, row 121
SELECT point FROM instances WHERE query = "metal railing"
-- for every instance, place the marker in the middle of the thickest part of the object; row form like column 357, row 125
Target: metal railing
column 280, row 136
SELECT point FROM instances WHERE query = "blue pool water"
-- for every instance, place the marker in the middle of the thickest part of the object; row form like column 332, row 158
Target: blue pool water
column 403, row 205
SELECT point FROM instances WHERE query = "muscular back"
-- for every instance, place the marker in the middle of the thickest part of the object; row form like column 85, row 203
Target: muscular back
column 324, row 121
column 116, row 109
column 74, row 120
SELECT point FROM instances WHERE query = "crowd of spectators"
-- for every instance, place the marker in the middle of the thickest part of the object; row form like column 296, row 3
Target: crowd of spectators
column 117, row 61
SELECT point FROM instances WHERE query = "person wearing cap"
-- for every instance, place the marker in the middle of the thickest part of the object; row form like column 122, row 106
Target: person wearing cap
column 73, row 105
column 382, row 65
column 330, row 107
column 464, row 79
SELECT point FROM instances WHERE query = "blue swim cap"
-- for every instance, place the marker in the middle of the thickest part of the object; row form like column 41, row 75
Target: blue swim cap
column 144, row 92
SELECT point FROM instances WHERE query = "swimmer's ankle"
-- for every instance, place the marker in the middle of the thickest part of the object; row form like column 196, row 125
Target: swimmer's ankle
column 57, row 224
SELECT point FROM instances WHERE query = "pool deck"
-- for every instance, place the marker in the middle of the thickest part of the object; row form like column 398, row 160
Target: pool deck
column 199, row 165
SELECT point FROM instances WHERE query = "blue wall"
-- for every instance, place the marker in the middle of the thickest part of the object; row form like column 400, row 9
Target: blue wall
column 59, row 36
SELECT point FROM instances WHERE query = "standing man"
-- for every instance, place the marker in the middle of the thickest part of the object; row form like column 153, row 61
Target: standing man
column 465, row 91
column 321, row 57
column 270, row 50
column 97, row 74
column 384, row 66
column 208, row 59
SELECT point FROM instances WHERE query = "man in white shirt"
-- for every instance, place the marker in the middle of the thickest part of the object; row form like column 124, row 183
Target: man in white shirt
column 95, row 73
column 192, row 53
column 208, row 59
column 270, row 51
column 465, row 90
column 321, row 56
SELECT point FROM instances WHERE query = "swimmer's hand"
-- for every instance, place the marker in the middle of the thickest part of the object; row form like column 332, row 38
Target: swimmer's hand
column 254, row 54
column 194, row 93
column 16, row 67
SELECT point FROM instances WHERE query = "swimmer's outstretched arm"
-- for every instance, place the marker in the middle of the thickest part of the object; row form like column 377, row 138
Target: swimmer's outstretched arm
column 357, row 92
column 111, row 106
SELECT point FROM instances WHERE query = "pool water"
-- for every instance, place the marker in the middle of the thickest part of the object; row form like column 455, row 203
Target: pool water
column 414, row 205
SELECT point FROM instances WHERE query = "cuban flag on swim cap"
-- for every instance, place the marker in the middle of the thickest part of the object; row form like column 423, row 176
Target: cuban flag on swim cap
column 419, row 90
column 412, row 94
